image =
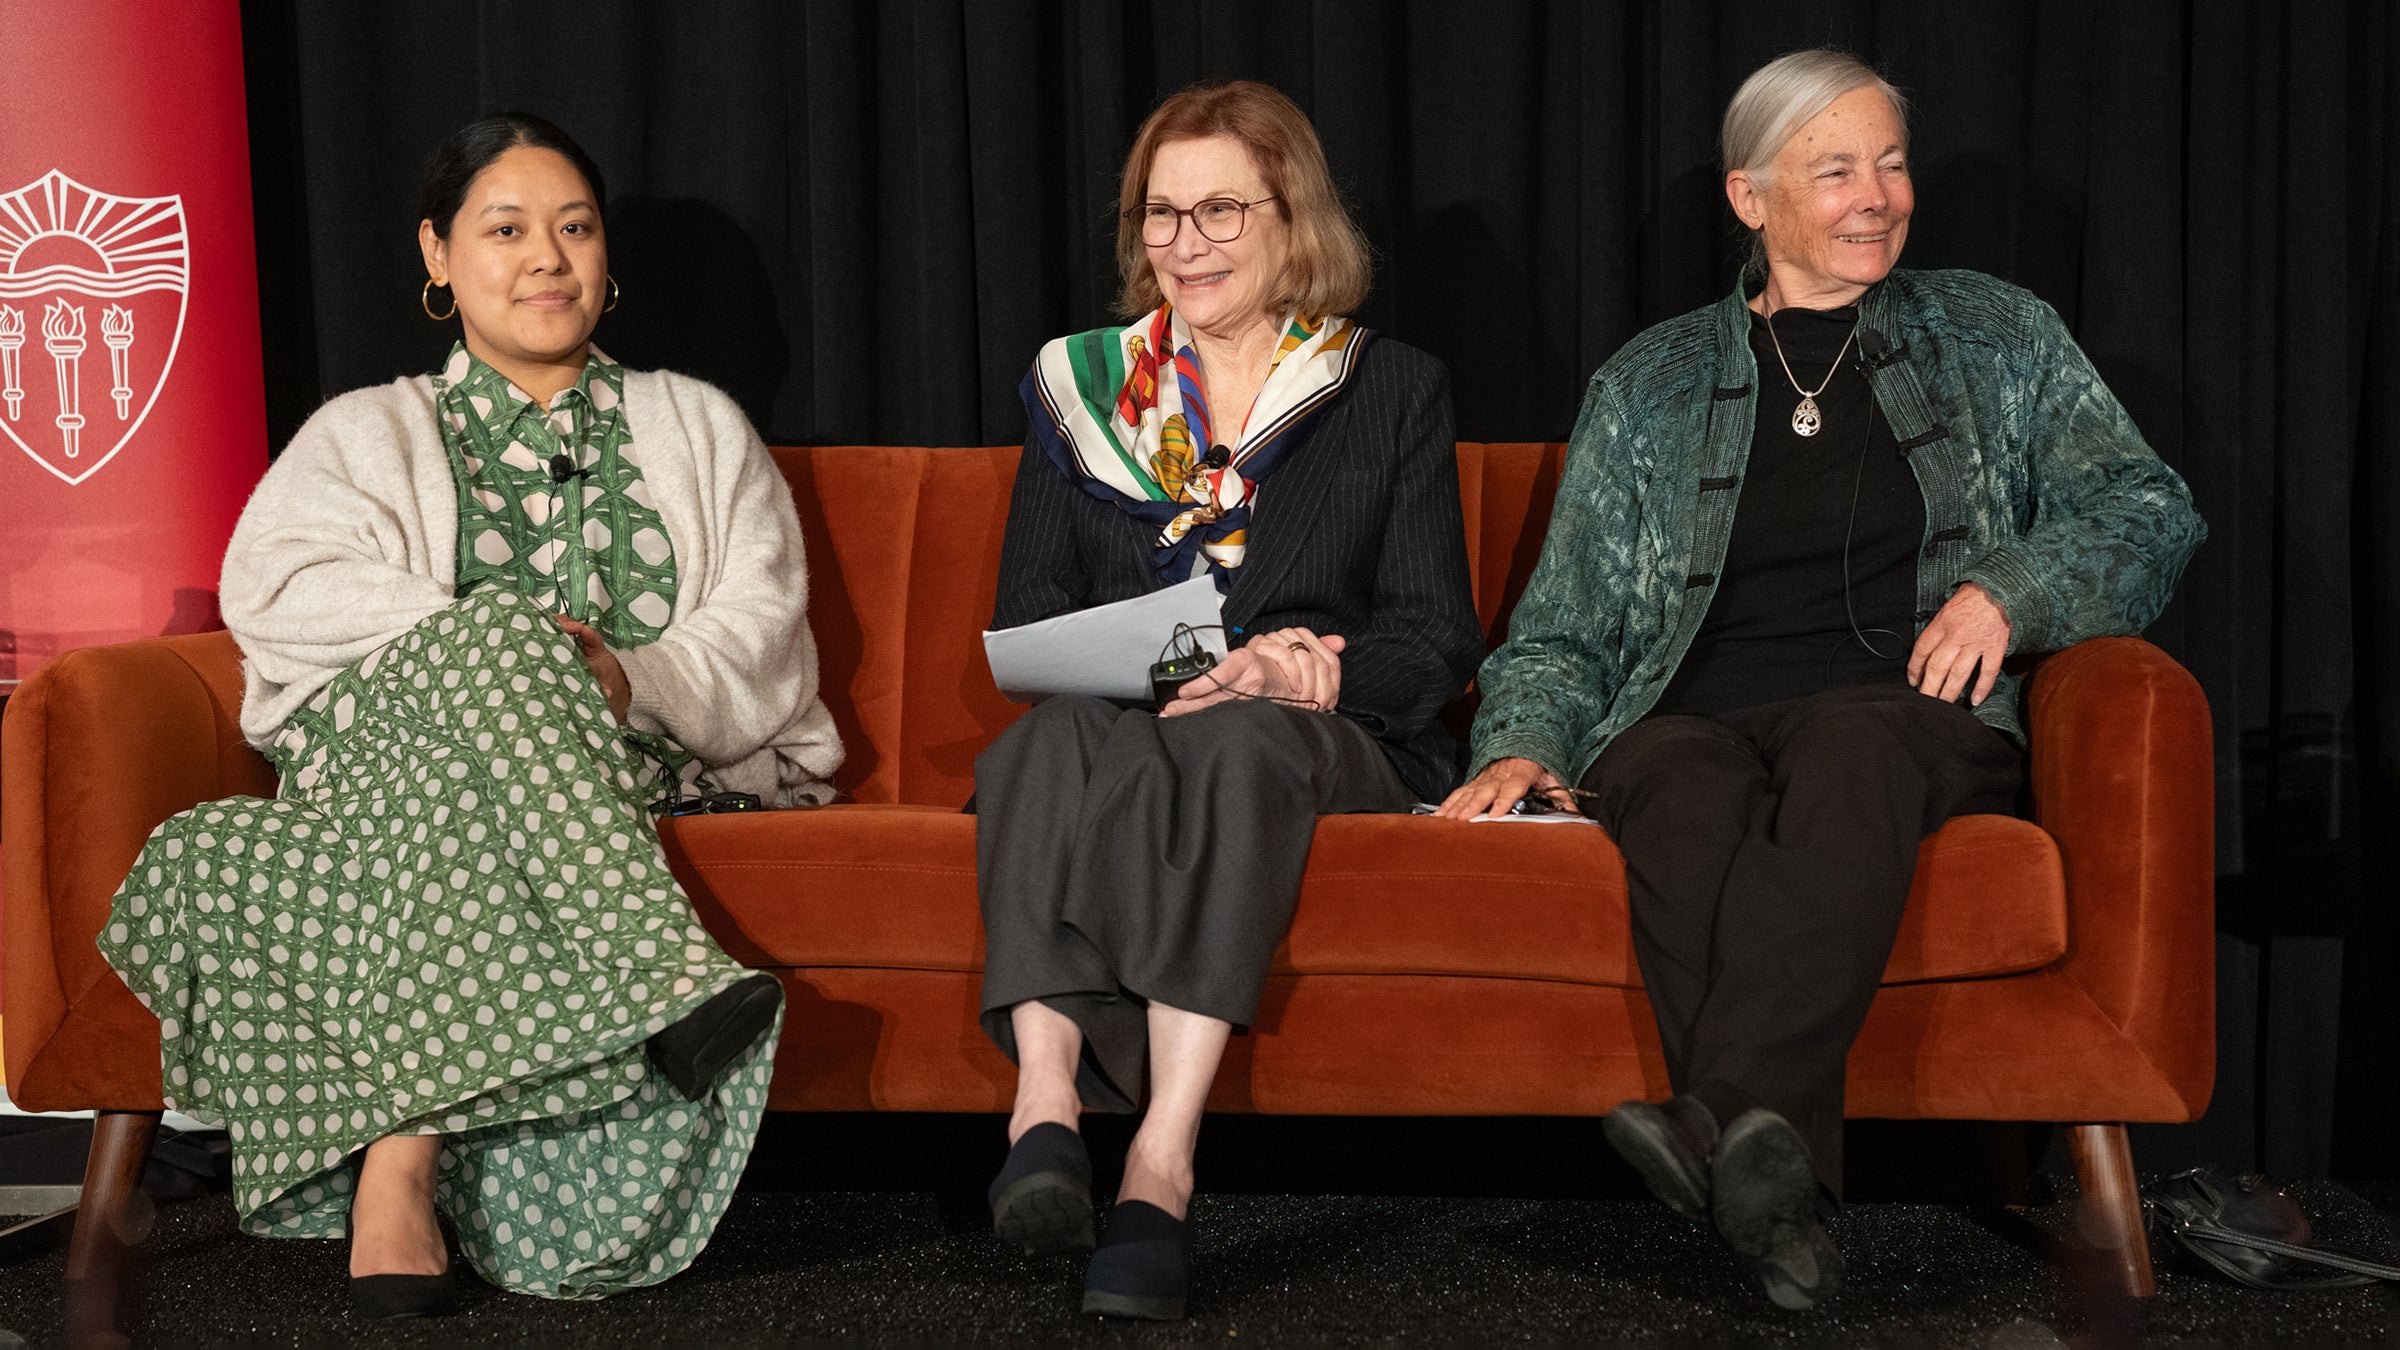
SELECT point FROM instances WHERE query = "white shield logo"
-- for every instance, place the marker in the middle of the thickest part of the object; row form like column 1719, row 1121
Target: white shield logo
column 84, row 272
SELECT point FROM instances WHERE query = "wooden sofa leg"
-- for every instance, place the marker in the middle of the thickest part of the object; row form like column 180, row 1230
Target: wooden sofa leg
column 113, row 1217
column 2112, row 1204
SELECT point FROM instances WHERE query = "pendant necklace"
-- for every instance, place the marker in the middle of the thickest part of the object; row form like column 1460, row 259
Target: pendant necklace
column 1807, row 419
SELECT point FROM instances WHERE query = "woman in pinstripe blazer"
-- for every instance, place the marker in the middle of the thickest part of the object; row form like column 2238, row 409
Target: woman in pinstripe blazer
column 1138, row 869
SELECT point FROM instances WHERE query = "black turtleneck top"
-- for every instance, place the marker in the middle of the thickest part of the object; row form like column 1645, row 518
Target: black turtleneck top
column 1777, row 627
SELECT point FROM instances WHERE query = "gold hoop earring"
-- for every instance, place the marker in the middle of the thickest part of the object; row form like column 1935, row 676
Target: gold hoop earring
column 613, row 293
column 425, row 299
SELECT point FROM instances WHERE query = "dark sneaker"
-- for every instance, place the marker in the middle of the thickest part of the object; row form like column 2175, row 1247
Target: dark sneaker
column 1670, row 1144
column 1763, row 1196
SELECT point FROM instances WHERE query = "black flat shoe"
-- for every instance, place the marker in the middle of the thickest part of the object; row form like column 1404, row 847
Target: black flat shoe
column 1042, row 1199
column 393, row 1298
column 693, row 1052
column 1670, row 1144
column 1144, row 1268
column 1763, row 1196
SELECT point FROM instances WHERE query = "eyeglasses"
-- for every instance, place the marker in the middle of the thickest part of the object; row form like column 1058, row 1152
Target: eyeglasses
column 715, row 803
column 1218, row 219
column 1539, row 803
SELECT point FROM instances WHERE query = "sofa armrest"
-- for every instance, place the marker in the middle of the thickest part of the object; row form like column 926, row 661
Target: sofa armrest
column 99, row 746
column 2123, row 771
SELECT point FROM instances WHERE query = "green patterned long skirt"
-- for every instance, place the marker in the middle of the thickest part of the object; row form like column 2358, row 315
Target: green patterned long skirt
column 456, row 919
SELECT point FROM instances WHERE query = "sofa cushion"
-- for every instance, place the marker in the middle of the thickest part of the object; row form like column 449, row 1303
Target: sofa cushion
column 891, row 887
column 894, row 887
column 903, row 557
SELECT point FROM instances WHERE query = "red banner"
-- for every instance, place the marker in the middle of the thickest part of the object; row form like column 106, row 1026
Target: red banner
column 132, row 409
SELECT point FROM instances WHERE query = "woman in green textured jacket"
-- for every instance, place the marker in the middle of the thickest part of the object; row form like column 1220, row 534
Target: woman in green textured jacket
column 1798, row 532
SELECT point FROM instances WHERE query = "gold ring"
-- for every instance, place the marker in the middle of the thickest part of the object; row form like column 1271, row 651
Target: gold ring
column 1297, row 646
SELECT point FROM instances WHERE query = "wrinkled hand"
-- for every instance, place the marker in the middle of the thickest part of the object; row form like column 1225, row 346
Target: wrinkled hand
column 1966, row 641
column 1292, row 664
column 1500, row 786
column 609, row 671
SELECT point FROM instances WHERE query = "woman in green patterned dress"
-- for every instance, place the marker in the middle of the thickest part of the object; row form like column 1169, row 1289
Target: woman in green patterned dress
column 490, row 619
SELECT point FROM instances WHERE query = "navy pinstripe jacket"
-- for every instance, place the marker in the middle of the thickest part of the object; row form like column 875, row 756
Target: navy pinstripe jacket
column 1358, row 532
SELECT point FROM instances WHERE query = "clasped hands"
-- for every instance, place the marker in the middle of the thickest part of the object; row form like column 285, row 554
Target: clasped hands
column 1289, row 665
column 1966, row 642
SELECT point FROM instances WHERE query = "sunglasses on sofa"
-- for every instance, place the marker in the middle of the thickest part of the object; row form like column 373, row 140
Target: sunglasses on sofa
column 715, row 803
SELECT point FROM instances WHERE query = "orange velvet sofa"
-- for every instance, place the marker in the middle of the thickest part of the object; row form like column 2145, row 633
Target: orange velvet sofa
column 2056, row 969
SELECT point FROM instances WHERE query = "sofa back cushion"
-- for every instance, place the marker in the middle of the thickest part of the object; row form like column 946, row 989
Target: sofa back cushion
column 903, row 553
column 903, row 557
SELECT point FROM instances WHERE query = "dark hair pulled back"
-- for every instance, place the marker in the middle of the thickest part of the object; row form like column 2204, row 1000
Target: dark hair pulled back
column 472, row 148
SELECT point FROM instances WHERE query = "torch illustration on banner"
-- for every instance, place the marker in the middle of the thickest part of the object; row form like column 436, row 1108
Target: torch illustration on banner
column 62, row 333
column 116, row 329
column 12, row 341
column 71, row 257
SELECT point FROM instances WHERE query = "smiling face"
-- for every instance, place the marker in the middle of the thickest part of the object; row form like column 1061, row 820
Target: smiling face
column 528, row 261
column 1835, row 208
column 1220, row 289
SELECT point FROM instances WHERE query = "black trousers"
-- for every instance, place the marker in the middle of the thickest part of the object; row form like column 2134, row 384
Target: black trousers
column 1123, row 857
column 1768, row 854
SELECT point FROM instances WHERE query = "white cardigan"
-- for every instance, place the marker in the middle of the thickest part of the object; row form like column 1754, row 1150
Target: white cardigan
column 352, row 538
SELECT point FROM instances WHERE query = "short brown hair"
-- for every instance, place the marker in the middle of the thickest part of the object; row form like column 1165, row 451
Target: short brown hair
column 1328, row 271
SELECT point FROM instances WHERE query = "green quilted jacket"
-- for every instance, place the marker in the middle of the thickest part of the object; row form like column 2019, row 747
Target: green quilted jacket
column 2037, row 488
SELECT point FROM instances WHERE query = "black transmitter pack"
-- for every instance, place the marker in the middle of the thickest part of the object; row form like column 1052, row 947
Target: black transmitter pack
column 1172, row 674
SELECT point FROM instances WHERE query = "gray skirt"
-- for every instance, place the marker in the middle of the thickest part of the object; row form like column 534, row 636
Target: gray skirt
column 1124, row 858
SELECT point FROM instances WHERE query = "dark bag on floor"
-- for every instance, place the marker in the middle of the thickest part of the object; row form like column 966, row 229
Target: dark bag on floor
column 2248, row 1231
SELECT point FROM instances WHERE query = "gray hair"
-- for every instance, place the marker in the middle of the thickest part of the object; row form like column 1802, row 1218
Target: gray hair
column 1778, row 99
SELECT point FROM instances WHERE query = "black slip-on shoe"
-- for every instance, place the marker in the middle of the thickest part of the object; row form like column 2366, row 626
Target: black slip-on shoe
column 1042, row 1199
column 1763, row 1196
column 693, row 1052
column 1144, row 1268
column 394, row 1298
column 1670, row 1144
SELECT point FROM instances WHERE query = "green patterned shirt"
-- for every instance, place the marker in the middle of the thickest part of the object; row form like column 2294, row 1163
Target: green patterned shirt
column 593, row 547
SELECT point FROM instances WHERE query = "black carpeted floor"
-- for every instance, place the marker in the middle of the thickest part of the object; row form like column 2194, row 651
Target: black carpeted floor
column 899, row 1252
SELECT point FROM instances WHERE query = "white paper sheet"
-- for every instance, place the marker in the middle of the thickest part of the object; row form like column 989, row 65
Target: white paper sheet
column 1105, row 650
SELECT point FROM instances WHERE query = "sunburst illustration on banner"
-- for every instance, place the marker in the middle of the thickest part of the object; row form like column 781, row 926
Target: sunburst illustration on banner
column 92, row 293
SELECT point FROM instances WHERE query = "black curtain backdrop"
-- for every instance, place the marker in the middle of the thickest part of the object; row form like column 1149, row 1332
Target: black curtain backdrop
column 862, row 219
